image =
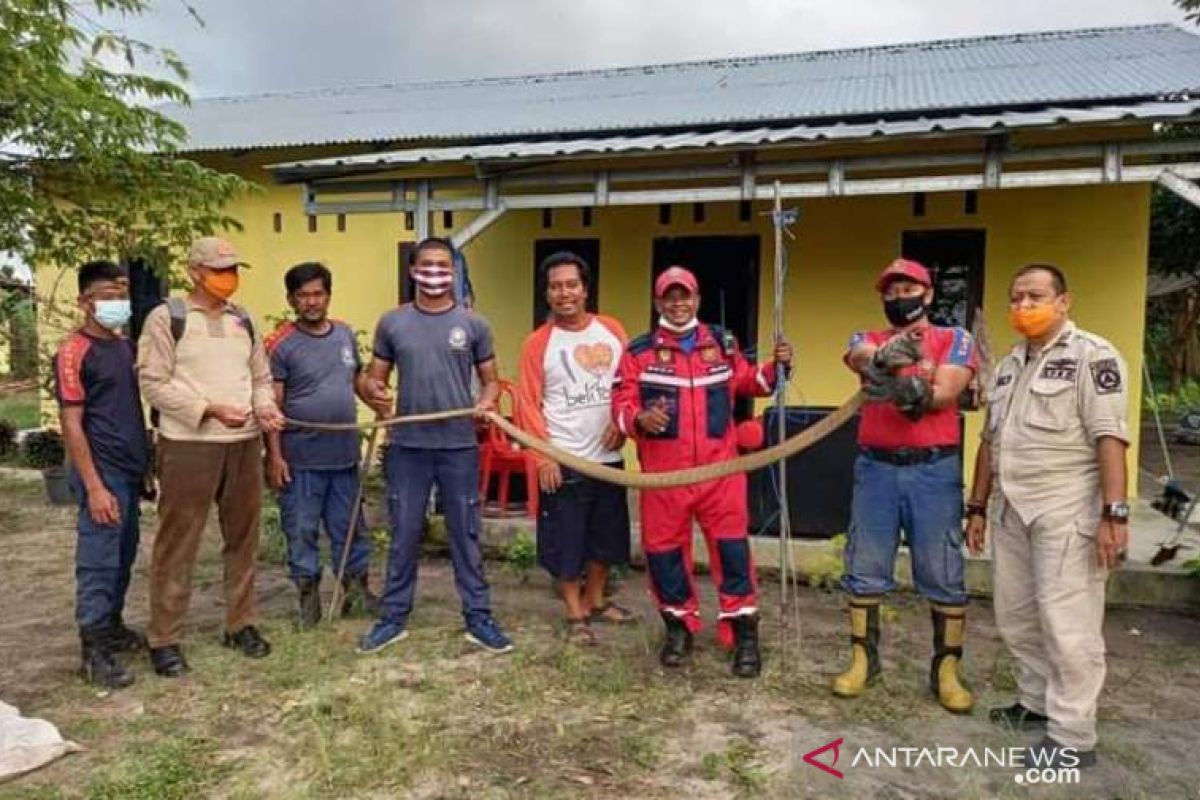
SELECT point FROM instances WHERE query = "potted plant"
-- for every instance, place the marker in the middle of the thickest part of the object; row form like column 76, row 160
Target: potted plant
column 44, row 450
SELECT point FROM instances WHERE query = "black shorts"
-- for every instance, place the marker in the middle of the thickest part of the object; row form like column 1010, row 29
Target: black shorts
column 585, row 520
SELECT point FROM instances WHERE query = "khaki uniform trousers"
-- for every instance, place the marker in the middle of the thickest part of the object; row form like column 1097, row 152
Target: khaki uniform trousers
column 1049, row 602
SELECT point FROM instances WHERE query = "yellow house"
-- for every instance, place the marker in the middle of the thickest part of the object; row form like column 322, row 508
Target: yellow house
column 975, row 156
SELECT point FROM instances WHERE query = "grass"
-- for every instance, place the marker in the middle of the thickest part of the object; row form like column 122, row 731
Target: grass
column 21, row 408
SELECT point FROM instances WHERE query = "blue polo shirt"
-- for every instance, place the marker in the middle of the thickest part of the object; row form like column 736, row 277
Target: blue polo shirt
column 99, row 375
column 317, row 372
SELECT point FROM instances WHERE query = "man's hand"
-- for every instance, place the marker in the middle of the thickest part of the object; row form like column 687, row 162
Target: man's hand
column 1111, row 540
column 912, row 395
column 484, row 407
column 270, row 419
column 901, row 350
column 379, row 396
column 613, row 439
column 228, row 415
column 655, row 418
column 976, row 533
column 783, row 354
column 549, row 476
column 279, row 474
column 103, row 507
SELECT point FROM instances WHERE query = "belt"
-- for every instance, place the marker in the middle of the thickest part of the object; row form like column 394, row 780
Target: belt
column 908, row 456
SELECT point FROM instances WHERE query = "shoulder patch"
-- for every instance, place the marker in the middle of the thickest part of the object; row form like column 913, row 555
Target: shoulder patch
column 1106, row 375
column 640, row 344
column 1003, row 380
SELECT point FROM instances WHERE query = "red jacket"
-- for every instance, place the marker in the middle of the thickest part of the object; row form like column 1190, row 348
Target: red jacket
column 699, row 389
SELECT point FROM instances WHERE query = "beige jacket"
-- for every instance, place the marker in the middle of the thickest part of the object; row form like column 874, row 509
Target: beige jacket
column 215, row 361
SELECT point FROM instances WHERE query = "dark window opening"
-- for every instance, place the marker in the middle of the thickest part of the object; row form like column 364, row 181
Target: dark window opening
column 918, row 204
column 447, row 219
column 547, row 218
column 744, row 211
column 410, row 220
column 587, row 217
column 697, row 212
column 312, row 223
column 277, row 222
column 971, row 202
column 341, row 223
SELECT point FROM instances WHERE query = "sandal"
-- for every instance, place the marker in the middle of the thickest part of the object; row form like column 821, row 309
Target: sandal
column 580, row 632
column 612, row 614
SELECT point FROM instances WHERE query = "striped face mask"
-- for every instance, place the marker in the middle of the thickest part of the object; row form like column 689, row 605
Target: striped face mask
column 433, row 280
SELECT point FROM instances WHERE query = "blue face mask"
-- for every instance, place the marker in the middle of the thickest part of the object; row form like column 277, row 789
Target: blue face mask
column 113, row 314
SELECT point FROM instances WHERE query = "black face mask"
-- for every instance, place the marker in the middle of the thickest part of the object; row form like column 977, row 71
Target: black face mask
column 903, row 311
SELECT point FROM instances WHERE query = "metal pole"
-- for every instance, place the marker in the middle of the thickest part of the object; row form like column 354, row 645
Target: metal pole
column 785, row 517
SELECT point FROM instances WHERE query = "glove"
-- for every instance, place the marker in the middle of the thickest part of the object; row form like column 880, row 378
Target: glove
column 912, row 396
column 899, row 351
column 878, row 383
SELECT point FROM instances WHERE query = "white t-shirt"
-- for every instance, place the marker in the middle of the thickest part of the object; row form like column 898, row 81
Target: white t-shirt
column 578, row 371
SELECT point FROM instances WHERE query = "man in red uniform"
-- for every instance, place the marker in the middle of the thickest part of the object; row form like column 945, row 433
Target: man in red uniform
column 674, row 395
column 908, row 476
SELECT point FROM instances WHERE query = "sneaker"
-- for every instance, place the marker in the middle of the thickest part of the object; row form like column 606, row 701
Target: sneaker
column 486, row 633
column 1018, row 718
column 383, row 633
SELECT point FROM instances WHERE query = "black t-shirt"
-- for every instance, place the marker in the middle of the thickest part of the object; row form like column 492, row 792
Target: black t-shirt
column 98, row 374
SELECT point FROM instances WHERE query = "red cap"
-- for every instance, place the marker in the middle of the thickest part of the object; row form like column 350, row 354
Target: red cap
column 673, row 276
column 903, row 268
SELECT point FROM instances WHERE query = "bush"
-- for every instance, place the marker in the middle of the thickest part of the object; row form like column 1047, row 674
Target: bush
column 43, row 449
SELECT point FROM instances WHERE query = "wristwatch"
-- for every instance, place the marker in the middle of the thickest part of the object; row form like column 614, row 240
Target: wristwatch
column 1116, row 512
column 976, row 510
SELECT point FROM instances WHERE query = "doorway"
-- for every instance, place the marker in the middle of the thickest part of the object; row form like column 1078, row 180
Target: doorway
column 954, row 259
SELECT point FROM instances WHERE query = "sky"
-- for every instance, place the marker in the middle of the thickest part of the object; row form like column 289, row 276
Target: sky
column 257, row 46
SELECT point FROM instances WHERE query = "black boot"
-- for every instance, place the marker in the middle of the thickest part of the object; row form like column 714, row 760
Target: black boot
column 310, row 602
column 747, row 661
column 678, row 644
column 126, row 639
column 99, row 665
column 357, row 597
column 168, row 661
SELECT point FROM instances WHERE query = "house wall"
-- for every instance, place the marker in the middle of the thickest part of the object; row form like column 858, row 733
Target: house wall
column 1098, row 235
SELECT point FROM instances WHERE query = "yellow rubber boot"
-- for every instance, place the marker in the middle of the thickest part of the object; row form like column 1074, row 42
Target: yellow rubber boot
column 949, row 628
column 864, row 648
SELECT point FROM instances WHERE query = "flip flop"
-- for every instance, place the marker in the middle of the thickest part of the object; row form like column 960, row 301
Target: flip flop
column 580, row 632
column 612, row 614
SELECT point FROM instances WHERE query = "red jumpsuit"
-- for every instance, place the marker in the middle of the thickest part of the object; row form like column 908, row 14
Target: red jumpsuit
column 699, row 388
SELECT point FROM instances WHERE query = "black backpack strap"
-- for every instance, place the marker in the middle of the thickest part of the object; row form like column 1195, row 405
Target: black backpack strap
column 177, row 311
column 244, row 317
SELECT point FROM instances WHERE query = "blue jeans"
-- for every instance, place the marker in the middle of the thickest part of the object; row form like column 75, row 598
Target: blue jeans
column 318, row 496
column 410, row 474
column 926, row 501
column 104, row 554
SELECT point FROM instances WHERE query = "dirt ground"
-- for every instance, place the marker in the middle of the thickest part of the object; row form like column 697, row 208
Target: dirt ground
column 433, row 718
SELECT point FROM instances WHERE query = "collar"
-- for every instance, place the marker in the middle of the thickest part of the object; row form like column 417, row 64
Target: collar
column 1064, row 336
column 670, row 340
column 587, row 322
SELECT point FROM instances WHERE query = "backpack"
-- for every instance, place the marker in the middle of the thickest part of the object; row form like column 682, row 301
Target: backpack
column 177, row 311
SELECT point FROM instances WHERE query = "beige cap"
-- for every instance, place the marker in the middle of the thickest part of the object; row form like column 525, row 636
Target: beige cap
column 215, row 253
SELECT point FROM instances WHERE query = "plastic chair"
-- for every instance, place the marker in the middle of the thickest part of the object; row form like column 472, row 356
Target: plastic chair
column 502, row 458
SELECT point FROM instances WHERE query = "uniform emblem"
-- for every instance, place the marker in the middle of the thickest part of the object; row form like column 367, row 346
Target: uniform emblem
column 1062, row 369
column 1106, row 376
column 458, row 338
column 664, row 355
column 347, row 357
column 1003, row 380
column 708, row 353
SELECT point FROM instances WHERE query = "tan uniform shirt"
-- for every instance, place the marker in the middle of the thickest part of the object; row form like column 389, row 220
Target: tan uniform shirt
column 1045, row 416
column 215, row 361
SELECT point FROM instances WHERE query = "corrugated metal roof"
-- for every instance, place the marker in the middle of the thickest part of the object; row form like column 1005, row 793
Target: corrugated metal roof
column 961, row 123
column 988, row 73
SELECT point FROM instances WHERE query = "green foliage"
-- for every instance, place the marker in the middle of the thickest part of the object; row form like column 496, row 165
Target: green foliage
column 1192, row 565
column 520, row 552
column 43, row 449
column 21, row 408
column 1170, row 403
column 272, row 547
column 88, row 166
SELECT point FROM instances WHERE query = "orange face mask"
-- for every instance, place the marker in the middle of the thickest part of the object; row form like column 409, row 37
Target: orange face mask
column 221, row 283
column 1033, row 322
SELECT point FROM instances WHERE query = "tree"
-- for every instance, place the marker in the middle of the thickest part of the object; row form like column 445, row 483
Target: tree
column 88, row 168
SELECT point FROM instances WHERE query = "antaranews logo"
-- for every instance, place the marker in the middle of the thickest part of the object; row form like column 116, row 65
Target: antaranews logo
column 1032, row 767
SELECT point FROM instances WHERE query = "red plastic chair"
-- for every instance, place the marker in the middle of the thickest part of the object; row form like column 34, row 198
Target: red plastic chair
column 502, row 458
